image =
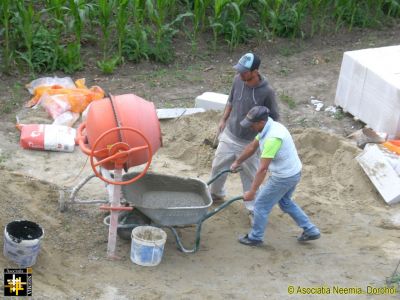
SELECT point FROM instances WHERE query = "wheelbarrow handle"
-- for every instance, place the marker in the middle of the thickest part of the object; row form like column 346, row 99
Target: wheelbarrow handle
column 198, row 226
column 221, row 173
column 219, row 208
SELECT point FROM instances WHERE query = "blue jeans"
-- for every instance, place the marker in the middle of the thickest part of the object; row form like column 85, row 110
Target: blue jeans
column 279, row 190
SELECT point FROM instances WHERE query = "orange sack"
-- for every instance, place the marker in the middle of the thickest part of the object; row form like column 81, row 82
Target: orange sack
column 393, row 145
column 77, row 98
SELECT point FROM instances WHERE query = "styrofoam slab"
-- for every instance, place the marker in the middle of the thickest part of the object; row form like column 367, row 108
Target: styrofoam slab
column 211, row 101
column 170, row 113
column 381, row 172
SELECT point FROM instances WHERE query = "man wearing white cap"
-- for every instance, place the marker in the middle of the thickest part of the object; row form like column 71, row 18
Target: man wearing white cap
column 249, row 89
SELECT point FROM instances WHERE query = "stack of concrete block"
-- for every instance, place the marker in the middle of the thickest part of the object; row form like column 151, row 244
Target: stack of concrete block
column 369, row 87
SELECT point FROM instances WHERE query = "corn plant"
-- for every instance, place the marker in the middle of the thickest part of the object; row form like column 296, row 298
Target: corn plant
column 318, row 10
column 135, row 44
column 69, row 58
column 391, row 8
column 5, row 15
column 353, row 13
column 262, row 10
column 56, row 10
column 139, row 12
column 78, row 13
column 105, row 16
column 236, row 30
column 107, row 66
column 122, row 21
column 44, row 50
column 76, row 19
column 105, row 19
column 285, row 17
column 158, row 13
column 26, row 23
column 199, row 14
column 229, row 20
column 215, row 20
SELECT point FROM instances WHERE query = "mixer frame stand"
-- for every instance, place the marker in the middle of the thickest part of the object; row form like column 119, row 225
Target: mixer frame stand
column 64, row 201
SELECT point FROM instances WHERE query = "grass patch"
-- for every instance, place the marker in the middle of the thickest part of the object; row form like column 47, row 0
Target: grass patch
column 286, row 98
column 284, row 71
column 176, row 76
column 287, row 51
column 339, row 114
column 14, row 102
column 4, row 157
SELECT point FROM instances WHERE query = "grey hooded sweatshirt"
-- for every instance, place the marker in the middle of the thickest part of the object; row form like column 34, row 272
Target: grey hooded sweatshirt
column 242, row 98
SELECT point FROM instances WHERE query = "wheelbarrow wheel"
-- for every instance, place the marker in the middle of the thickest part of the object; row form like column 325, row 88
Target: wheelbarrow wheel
column 134, row 217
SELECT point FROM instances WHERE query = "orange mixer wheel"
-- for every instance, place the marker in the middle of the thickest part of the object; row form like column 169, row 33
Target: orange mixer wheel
column 118, row 153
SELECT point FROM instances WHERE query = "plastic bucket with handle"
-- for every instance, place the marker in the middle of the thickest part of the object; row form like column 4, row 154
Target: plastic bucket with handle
column 22, row 240
column 147, row 245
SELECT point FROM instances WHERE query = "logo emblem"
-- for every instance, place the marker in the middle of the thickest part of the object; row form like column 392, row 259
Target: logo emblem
column 18, row 282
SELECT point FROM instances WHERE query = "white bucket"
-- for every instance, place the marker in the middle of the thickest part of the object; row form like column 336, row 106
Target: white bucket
column 22, row 242
column 147, row 245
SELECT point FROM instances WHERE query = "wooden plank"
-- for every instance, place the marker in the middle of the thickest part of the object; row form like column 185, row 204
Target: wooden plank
column 170, row 113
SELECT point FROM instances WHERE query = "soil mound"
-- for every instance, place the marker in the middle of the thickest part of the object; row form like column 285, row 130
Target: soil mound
column 189, row 138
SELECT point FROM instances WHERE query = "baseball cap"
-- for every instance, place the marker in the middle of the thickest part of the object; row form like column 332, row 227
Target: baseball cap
column 256, row 114
column 247, row 62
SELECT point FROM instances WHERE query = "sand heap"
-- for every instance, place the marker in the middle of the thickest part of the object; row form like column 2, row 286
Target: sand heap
column 189, row 138
column 330, row 168
column 328, row 159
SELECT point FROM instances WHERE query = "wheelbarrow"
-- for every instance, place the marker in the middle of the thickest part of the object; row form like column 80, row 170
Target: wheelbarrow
column 170, row 202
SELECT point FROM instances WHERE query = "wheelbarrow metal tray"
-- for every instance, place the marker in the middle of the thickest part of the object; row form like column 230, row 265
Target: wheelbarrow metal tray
column 168, row 200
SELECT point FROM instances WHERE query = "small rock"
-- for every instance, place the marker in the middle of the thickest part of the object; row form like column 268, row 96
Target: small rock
column 331, row 109
column 317, row 103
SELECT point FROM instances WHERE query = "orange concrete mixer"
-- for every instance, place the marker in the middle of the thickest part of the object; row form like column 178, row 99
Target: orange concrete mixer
column 120, row 132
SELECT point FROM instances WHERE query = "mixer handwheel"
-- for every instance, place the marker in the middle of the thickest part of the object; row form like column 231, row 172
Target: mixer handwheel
column 119, row 154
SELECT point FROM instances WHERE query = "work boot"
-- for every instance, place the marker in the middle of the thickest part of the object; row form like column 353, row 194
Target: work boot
column 217, row 199
column 245, row 240
column 306, row 237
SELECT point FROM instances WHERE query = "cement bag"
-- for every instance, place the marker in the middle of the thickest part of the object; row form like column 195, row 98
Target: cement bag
column 47, row 137
column 66, row 119
column 55, row 105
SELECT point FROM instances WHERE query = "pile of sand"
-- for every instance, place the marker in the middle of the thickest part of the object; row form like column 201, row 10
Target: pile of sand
column 330, row 168
column 328, row 159
column 189, row 138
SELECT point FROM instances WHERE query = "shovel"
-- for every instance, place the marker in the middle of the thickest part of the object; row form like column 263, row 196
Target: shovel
column 216, row 140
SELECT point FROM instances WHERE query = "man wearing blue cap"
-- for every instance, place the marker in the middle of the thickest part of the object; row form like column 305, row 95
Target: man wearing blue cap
column 249, row 89
column 279, row 156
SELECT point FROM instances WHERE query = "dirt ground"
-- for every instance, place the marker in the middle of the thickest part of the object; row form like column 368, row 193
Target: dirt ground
column 360, row 243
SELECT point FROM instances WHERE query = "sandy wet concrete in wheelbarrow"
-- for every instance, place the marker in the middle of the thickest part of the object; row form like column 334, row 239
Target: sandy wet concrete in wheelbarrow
column 359, row 244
